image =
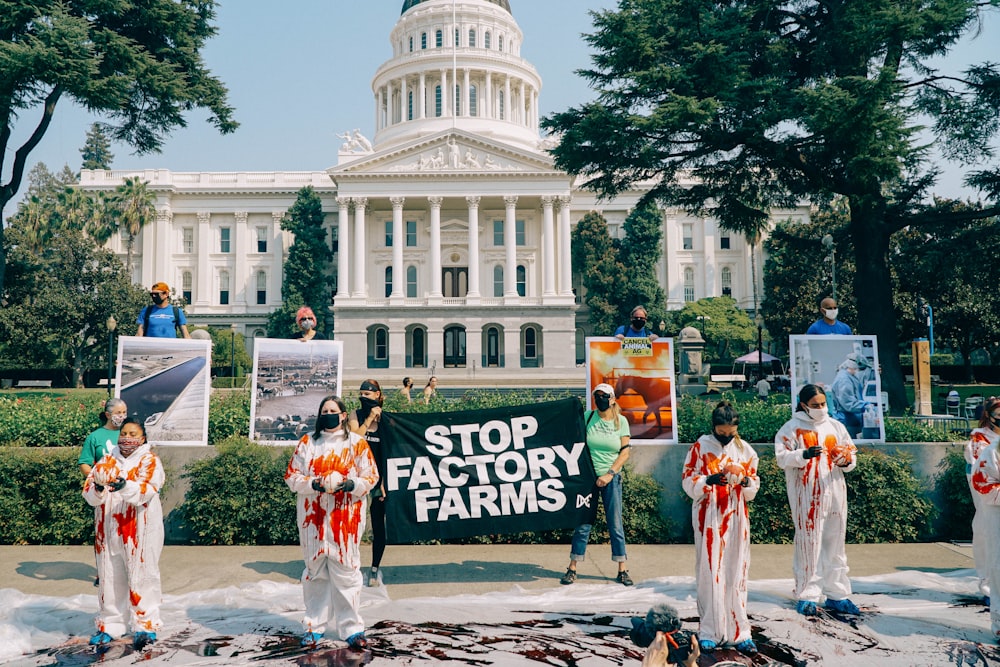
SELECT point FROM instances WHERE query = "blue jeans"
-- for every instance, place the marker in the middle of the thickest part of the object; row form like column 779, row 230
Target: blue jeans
column 611, row 496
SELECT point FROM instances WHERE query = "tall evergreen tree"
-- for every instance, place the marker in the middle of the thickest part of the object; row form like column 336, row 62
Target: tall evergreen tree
column 595, row 256
column 762, row 102
column 640, row 255
column 96, row 149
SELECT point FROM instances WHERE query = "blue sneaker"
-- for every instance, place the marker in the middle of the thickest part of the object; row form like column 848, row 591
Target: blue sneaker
column 746, row 647
column 142, row 639
column 806, row 608
column 101, row 638
column 707, row 645
column 844, row 606
column 311, row 638
column 986, row 600
column 358, row 641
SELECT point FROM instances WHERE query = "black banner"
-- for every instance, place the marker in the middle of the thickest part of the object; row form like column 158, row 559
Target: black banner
column 486, row 472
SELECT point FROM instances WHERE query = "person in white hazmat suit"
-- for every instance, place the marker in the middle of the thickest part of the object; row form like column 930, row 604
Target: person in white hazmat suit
column 332, row 471
column 123, row 487
column 815, row 451
column 720, row 475
column 987, row 434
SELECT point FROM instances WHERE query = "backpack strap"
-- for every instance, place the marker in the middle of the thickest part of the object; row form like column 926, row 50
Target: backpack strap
column 177, row 319
column 590, row 418
column 145, row 320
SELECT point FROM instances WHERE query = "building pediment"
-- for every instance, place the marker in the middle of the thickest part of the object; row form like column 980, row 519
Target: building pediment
column 448, row 153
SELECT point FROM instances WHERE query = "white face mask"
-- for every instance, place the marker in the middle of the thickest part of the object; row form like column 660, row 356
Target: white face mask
column 817, row 414
column 831, row 313
column 118, row 420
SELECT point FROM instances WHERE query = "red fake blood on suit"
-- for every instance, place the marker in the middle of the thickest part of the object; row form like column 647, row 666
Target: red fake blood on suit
column 127, row 526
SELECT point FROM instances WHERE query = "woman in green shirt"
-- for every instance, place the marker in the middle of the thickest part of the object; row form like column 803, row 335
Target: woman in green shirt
column 608, row 441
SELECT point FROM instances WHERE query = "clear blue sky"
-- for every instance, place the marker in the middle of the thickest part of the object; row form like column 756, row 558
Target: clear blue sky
column 300, row 72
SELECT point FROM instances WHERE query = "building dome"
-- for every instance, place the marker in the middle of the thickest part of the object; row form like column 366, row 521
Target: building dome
column 408, row 4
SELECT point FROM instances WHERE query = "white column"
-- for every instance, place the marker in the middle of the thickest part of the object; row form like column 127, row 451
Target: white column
column 404, row 107
column 398, row 289
column 444, row 93
column 422, row 103
column 390, row 112
column 360, row 288
column 465, row 93
column 548, row 245
column 203, row 291
column 343, row 247
column 565, row 269
column 510, row 246
column 277, row 257
column 521, row 112
column 241, row 275
column 378, row 109
column 473, row 203
column 487, row 102
column 508, row 103
column 435, row 203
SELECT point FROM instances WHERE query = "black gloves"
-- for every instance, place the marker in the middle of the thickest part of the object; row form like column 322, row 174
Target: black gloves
column 118, row 485
column 346, row 486
column 317, row 485
column 99, row 487
column 812, row 452
column 718, row 479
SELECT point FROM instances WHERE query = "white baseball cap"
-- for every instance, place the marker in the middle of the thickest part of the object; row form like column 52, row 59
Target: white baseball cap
column 605, row 388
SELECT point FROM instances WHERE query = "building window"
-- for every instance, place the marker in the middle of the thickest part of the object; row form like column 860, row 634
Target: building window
column 458, row 40
column 381, row 343
column 224, row 288
column 262, row 239
column 378, row 347
column 423, row 40
column 437, row 100
column 724, row 242
column 411, row 233
column 458, row 100
column 500, row 104
column 411, row 282
column 497, row 280
column 472, row 36
column 500, row 43
column 687, row 236
column 529, row 347
column 261, row 288
column 522, row 279
column 411, row 43
column 727, row 281
column 493, row 355
column 409, row 105
column 224, row 244
column 438, row 39
column 486, row 40
column 688, row 285
column 188, row 243
column 519, row 232
column 388, row 281
column 416, row 355
column 186, row 284
column 498, row 233
column 388, row 233
column 473, row 104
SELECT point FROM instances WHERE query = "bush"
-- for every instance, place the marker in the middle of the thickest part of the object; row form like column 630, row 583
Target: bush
column 759, row 420
column 884, row 502
column 40, row 499
column 955, row 496
column 905, row 429
column 48, row 421
column 228, row 415
column 239, row 496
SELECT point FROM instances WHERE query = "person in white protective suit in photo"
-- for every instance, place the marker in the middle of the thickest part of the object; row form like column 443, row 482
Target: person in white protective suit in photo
column 815, row 451
column 123, row 487
column 331, row 472
column 986, row 482
column 988, row 433
column 720, row 476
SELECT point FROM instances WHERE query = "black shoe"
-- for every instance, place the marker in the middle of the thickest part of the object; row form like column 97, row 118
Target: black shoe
column 624, row 579
column 568, row 578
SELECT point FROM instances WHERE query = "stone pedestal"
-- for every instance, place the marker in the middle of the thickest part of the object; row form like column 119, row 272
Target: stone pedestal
column 690, row 378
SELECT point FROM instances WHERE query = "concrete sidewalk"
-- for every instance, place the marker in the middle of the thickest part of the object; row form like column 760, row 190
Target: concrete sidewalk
column 441, row 571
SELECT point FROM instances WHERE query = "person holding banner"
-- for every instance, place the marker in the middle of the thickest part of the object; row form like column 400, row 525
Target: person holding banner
column 367, row 422
column 815, row 451
column 331, row 472
column 608, row 442
column 720, row 476
column 636, row 328
column 306, row 319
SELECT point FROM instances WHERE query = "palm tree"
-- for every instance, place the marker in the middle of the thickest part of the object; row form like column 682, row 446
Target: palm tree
column 135, row 206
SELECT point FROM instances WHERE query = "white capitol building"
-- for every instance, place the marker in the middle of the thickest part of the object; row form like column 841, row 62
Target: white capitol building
column 450, row 226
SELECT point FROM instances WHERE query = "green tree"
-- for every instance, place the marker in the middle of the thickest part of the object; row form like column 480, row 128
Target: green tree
column 137, row 64
column 224, row 344
column 640, row 253
column 306, row 278
column 96, row 149
column 762, row 102
column 133, row 206
column 727, row 329
column 596, row 258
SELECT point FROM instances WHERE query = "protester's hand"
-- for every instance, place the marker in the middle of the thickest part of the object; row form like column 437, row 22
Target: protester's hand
column 346, row 486
column 843, row 460
column 118, row 485
column 812, row 452
column 718, row 479
column 99, row 487
column 317, row 485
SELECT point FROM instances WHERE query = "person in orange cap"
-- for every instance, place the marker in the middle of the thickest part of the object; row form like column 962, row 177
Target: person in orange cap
column 161, row 319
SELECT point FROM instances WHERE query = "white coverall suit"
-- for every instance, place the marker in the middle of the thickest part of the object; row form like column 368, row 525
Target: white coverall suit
column 128, row 542
column 986, row 481
column 330, row 527
column 982, row 548
column 817, row 495
column 721, row 536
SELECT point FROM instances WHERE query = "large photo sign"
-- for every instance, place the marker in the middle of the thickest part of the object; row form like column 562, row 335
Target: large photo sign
column 290, row 378
column 847, row 368
column 642, row 373
column 165, row 382
column 486, row 472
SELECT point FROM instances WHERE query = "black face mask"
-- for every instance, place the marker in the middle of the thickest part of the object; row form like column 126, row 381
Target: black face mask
column 328, row 421
column 723, row 439
column 638, row 324
column 368, row 403
column 158, row 299
column 602, row 402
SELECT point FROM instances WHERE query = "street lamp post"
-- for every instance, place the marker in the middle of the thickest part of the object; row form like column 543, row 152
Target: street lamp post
column 832, row 258
column 232, row 355
column 112, row 325
column 759, row 320
column 703, row 319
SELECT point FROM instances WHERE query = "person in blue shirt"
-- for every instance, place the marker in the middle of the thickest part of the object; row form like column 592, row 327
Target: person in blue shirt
column 161, row 319
column 636, row 328
column 828, row 323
